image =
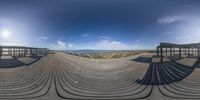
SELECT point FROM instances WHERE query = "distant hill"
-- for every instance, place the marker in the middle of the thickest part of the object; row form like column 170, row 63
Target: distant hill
column 104, row 54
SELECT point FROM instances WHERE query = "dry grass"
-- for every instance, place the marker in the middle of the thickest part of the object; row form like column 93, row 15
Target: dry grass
column 108, row 55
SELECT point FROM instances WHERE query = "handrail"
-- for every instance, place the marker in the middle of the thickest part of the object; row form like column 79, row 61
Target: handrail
column 23, row 51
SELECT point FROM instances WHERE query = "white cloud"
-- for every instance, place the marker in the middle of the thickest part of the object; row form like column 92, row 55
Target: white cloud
column 168, row 33
column 11, row 44
column 175, row 18
column 113, row 45
column 108, row 44
column 188, row 38
column 105, row 37
column 70, row 45
column 171, row 19
column 86, row 35
column 105, row 43
column 61, row 45
column 187, row 32
column 43, row 37
column 137, row 41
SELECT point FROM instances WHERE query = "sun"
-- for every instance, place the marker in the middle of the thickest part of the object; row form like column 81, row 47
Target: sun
column 5, row 34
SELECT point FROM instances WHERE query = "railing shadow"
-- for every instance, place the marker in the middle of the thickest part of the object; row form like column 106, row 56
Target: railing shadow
column 197, row 63
column 15, row 62
column 166, row 73
column 142, row 59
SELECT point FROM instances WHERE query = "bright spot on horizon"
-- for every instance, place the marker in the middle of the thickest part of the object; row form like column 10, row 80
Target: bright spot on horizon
column 5, row 34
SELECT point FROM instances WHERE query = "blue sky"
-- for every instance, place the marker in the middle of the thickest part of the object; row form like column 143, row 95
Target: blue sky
column 98, row 24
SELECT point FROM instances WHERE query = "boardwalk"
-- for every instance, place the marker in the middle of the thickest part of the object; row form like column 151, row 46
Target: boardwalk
column 61, row 76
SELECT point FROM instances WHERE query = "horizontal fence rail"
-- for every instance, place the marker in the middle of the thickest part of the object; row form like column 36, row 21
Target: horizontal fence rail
column 192, row 49
column 24, row 51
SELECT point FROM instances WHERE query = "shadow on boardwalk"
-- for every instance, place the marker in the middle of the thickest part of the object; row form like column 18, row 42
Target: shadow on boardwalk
column 16, row 62
column 166, row 73
column 142, row 59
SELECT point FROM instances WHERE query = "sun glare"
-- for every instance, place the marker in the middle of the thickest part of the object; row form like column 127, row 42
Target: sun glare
column 5, row 34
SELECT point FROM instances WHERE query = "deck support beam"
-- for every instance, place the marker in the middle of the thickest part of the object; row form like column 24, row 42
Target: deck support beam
column 161, row 54
column 0, row 52
column 158, row 51
column 179, row 53
column 198, row 52
column 170, row 52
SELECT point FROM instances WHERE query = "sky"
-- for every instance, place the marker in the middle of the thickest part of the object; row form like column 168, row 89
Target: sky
column 98, row 24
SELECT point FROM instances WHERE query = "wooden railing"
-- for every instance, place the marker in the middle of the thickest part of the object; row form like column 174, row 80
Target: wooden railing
column 24, row 51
